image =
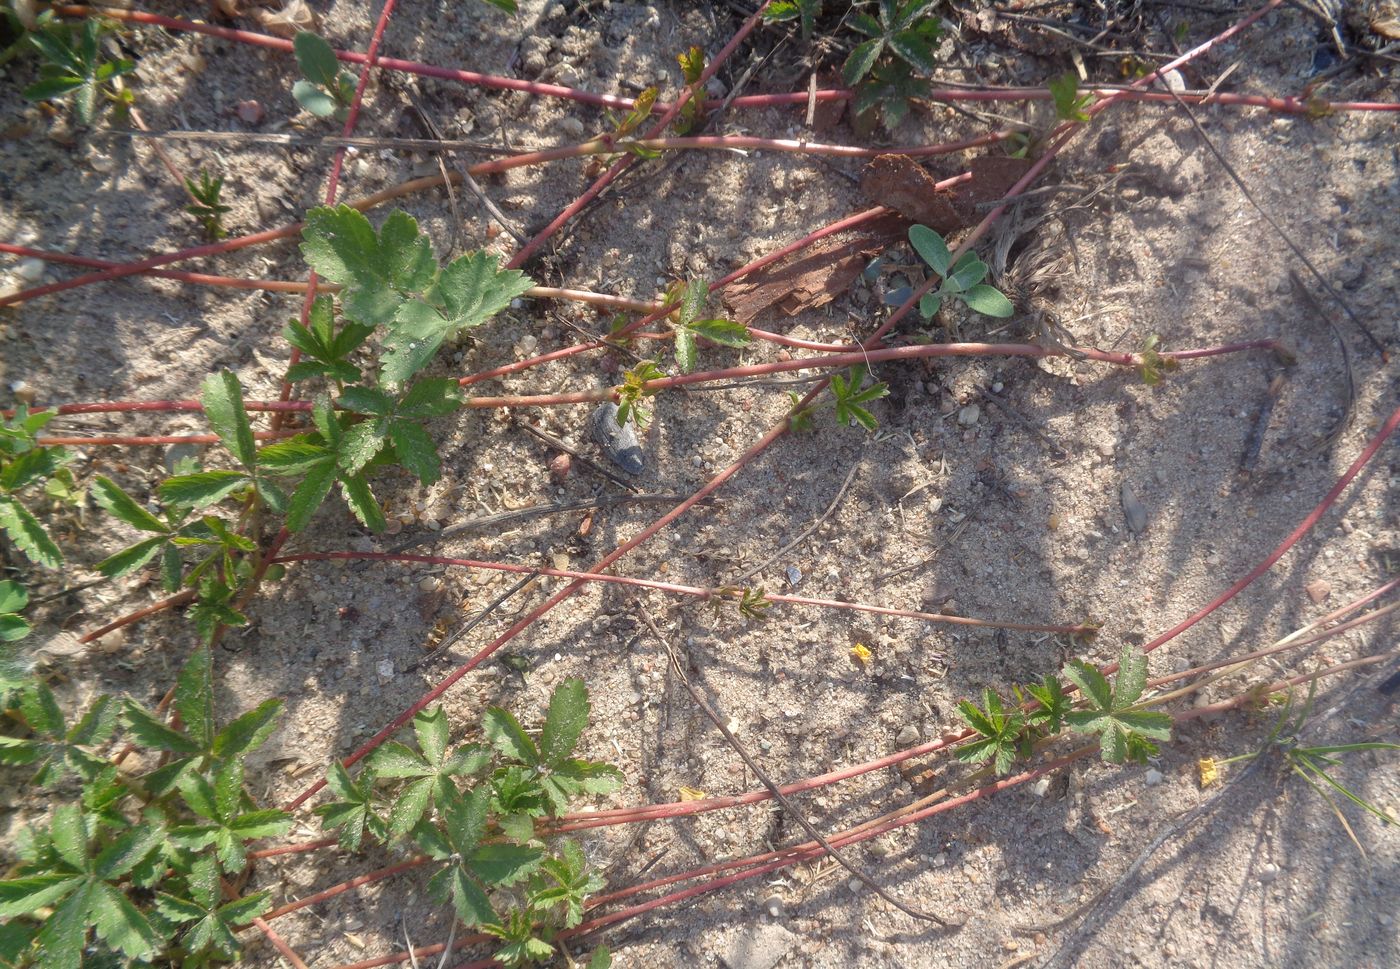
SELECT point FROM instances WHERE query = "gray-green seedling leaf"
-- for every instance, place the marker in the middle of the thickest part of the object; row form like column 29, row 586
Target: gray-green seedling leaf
column 931, row 249
column 988, row 301
column 314, row 99
column 316, row 58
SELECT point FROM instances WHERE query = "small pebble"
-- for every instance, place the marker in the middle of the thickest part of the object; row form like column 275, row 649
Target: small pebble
column 570, row 127
column 794, row 575
column 1152, row 778
column 30, row 270
column 1268, row 873
column 855, row 885
column 249, row 112
column 773, row 905
column 1040, row 787
column 908, row 736
column 385, row 669
column 560, row 466
column 969, row 414
column 23, row 391
column 110, row 642
column 1318, row 589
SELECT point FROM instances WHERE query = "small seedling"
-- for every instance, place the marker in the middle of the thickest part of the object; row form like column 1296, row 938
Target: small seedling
column 685, row 320
column 998, row 729
column 128, row 869
column 963, row 282
column 1070, row 105
column 207, row 206
column 1311, row 763
column 1152, row 365
column 484, row 836
column 1125, row 732
column 753, row 604
column 623, row 128
column 850, row 396
column 326, row 89
column 73, row 65
column 692, row 113
column 633, row 390
column 880, row 70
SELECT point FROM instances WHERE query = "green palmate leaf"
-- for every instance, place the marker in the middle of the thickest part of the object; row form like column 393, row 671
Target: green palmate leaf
column 13, row 596
column 362, row 503
column 120, row 505
column 470, row 290
column 223, row 405
column 202, row 488
column 860, row 61
column 194, row 697
column 361, row 443
column 502, row 864
column 148, row 731
column 504, row 733
column 131, row 559
column 564, row 882
column 724, row 332
column 931, row 248
column 685, row 349
column 431, row 398
column 248, row 732
column 121, row 925
column 1123, row 731
column 565, row 721
column 416, row 451
column 998, row 730
column 310, row 494
column 354, row 813
column 379, row 270
column 27, row 535
column 65, row 931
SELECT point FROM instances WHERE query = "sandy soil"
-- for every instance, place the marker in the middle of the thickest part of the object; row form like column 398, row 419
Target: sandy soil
column 1012, row 510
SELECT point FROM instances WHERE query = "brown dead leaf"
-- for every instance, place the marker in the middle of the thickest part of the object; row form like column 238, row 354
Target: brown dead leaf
column 295, row 17
column 816, row 275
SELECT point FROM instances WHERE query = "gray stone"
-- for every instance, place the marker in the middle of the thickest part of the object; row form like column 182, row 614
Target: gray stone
column 619, row 441
column 1134, row 511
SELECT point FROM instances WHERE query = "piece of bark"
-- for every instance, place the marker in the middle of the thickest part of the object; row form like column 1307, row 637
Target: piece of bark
column 815, row 276
column 900, row 183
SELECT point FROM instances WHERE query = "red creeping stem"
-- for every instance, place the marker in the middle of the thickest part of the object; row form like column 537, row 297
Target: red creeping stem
column 1287, row 105
column 1303, row 528
column 676, row 589
column 619, row 166
column 835, row 360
